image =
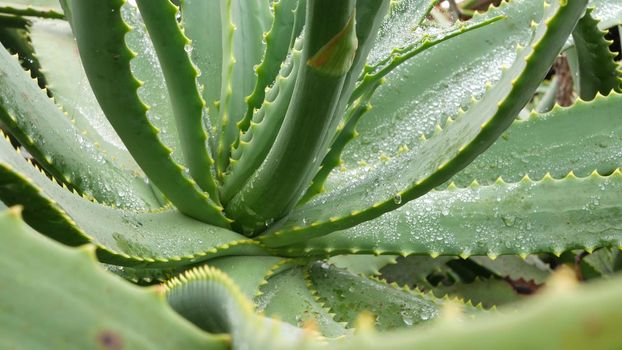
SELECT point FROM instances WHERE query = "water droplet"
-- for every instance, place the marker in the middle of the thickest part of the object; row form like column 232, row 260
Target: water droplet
column 188, row 48
column 508, row 220
column 324, row 265
column 397, row 199
column 407, row 318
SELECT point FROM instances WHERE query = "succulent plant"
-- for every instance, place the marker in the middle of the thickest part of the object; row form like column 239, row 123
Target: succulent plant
column 244, row 173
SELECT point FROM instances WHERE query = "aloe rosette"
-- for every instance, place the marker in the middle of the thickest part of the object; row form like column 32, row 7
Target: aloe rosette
column 235, row 173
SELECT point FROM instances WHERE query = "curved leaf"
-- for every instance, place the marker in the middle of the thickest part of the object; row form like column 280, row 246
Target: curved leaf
column 56, row 50
column 116, row 90
column 37, row 8
column 372, row 192
column 288, row 296
column 515, row 268
column 58, row 145
column 202, row 24
column 608, row 13
column 255, row 143
column 278, row 40
column 567, row 317
column 598, row 72
column 249, row 272
column 158, row 239
column 62, row 283
column 516, row 218
column 349, row 295
column 329, row 48
column 180, row 75
column 209, row 299
column 580, row 138
column 422, row 91
column 243, row 25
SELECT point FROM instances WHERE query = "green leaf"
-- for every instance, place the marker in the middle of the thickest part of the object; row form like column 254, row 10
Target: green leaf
column 289, row 296
column 580, row 138
column 243, row 26
column 372, row 79
column 604, row 261
column 515, row 268
column 62, row 283
column 517, row 218
column 249, row 272
column 487, row 292
column 567, row 316
column 212, row 301
column 416, row 271
column 366, row 265
column 256, row 142
column 422, row 91
column 398, row 56
column 345, row 133
column 38, row 8
column 609, row 13
column 181, row 80
column 116, row 90
column 598, row 72
column 373, row 191
column 58, row 145
column 56, row 50
column 14, row 36
column 139, row 239
column 349, row 295
column 399, row 27
column 202, row 24
column 278, row 40
column 369, row 17
column 329, row 48
column 146, row 68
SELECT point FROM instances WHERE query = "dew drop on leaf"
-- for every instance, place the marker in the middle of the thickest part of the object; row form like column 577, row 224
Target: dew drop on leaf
column 508, row 220
column 397, row 199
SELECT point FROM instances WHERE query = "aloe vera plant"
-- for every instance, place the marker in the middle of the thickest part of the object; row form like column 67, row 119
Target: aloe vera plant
column 245, row 174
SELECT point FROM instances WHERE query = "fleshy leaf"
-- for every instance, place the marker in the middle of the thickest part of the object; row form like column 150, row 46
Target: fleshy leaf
column 521, row 218
column 56, row 50
column 579, row 138
column 249, row 272
column 515, row 268
column 116, row 90
column 255, row 143
column 287, row 296
column 349, row 295
column 598, row 72
column 140, row 239
column 202, row 24
column 277, row 185
column 212, row 301
column 367, row 265
column 243, row 25
column 609, row 13
column 170, row 43
column 37, row 8
column 423, row 90
column 372, row 192
column 278, row 40
column 62, row 283
column 566, row 316
column 59, row 146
